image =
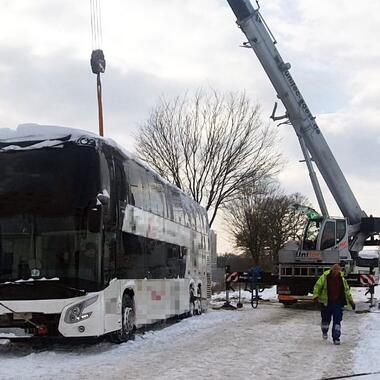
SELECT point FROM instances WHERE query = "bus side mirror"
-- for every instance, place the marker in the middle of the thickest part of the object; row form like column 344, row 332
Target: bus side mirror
column 103, row 200
column 95, row 219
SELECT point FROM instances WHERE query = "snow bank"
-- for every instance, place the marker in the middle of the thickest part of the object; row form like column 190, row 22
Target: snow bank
column 366, row 354
column 267, row 295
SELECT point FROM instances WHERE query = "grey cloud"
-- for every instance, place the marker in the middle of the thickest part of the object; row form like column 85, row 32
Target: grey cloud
column 60, row 91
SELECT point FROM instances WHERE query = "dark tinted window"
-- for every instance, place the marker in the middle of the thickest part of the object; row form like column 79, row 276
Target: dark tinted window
column 139, row 186
column 105, row 173
column 121, row 183
column 328, row 236
column 146, row 258
column 48, row 181
column 340, row 230
column 131, row 260
column 121, row 192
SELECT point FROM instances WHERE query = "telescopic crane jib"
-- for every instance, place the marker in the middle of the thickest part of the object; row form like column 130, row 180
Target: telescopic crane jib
column 261, row 40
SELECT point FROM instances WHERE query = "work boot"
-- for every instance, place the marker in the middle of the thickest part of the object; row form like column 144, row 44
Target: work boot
column 337, row 342
column 324, row 336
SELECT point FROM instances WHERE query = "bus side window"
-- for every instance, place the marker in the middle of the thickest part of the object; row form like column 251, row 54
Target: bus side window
column 144, row 173
column 193, row 216
column 169, row 203
column 121, row 183
column 199, row 219
column 107, row 178
column 186, row 211
column 109, row 260
column 205, row 221
column 135, row 179
column 177, row 206
column 157, row 195
column 328, row 237
column 161, row 201
column 131, row 259
column 121, row 191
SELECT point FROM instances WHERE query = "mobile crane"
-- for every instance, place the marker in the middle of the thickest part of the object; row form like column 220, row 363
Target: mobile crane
column 326, row 240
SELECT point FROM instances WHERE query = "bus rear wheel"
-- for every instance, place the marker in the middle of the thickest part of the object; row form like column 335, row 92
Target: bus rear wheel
column 198, row 302
column 191, row 303
column 195, row 304
column 127, row 330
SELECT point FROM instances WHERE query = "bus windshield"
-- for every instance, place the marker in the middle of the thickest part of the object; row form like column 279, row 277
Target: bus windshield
column 45, row 196
column 48, row 181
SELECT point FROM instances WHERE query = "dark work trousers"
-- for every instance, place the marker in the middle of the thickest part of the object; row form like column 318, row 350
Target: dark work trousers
column 336, row 312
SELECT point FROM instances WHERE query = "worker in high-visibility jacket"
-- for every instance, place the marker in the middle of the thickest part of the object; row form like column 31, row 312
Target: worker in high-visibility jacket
column 333, row 292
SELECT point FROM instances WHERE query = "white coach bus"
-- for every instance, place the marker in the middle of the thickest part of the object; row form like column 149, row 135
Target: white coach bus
column 92, row 242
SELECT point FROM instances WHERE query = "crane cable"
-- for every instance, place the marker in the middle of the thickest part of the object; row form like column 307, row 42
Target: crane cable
column 98, row 62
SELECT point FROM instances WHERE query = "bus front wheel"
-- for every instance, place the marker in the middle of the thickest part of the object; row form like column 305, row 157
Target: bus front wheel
column 127, row 329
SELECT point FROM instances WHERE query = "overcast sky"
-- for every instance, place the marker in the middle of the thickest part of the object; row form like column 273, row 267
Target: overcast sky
column 166, row 47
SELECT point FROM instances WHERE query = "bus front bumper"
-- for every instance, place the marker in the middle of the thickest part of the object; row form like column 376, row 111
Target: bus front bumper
column 74, row 317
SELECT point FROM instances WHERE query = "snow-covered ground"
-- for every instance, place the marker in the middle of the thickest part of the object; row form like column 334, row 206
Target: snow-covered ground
column 270, row 342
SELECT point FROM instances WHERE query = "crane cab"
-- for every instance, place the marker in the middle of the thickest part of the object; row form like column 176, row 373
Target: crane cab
column 327, row 235
column 325, row 242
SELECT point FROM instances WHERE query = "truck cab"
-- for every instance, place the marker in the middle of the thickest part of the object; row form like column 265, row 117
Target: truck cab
column 324, row 243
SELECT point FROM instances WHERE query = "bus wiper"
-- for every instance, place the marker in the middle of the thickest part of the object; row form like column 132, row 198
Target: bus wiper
column 16, row 282
column 62, row 285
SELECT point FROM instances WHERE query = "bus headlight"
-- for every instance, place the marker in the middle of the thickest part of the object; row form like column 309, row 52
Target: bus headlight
column 75, row 313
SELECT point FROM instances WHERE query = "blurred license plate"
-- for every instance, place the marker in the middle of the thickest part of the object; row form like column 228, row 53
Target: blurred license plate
column 23, row 316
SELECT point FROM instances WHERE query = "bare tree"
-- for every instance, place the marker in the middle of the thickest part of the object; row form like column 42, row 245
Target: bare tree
column 210, row 145
column 262, row 221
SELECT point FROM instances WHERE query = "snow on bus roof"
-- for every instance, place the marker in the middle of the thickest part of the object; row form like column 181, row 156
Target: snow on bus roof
column 25, row 132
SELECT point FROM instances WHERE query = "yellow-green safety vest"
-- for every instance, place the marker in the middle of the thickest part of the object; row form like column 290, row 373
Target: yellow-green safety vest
column 320, row 288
